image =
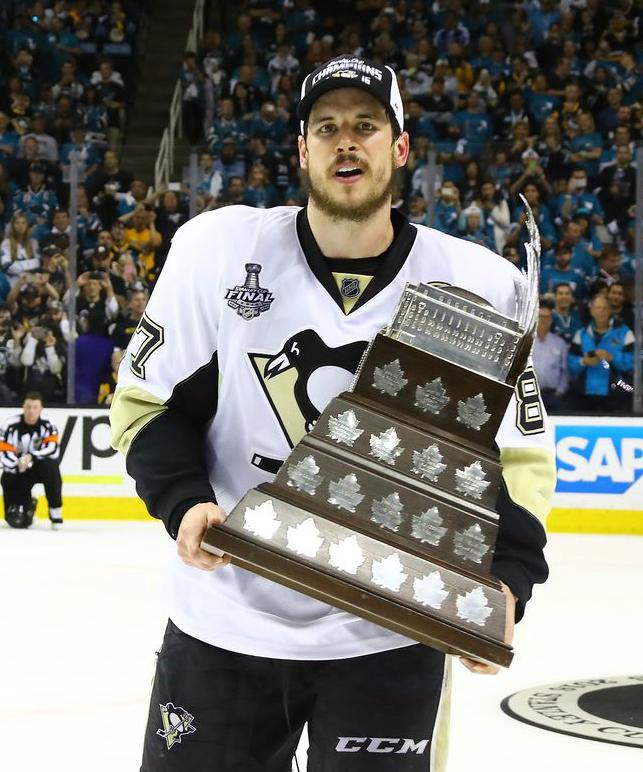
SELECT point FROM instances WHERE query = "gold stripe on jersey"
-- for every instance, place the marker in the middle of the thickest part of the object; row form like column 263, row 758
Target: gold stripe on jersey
column 131, row 410
column 530, row 475
column 353, row 284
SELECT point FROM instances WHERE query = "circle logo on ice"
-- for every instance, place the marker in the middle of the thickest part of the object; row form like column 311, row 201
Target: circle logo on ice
column 604, row 709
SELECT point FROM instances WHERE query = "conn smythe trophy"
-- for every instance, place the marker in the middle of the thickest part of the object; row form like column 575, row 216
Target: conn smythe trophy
column 386, row 508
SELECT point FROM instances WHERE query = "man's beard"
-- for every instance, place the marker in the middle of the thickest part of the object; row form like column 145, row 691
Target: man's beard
column 340, row 210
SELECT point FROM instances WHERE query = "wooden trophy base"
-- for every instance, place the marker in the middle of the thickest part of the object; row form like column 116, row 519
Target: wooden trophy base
column 422, row 599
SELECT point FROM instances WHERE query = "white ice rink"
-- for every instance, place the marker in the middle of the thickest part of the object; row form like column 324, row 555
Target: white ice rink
column 82, row 614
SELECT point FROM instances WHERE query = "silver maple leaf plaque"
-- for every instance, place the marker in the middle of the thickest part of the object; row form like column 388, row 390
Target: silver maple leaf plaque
column 389, row 379
column 345, row 492
column 432, row 397
column 427, row 463
column 343, row 428
column 472, row 412
column 385, row 446
column 304, row 476
column 428, row 527
column 387, row 512
column 471, row 481
column 470, row 544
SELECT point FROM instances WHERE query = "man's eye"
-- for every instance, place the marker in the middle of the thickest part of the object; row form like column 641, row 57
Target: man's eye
column 326, row 128
column 366, row 126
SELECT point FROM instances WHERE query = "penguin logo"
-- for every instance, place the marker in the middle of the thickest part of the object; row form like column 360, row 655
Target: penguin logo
column 350, row 287
column 177, row 723
column 303, row 377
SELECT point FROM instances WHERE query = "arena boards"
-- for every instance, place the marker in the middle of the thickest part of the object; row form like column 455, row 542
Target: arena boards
column 600, row 472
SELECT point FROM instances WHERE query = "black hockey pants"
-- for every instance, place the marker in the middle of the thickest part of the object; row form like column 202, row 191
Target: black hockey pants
column 16, row 487
column 214, row 710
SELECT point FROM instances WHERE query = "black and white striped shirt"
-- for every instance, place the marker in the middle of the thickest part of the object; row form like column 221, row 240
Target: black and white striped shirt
column 17, row 438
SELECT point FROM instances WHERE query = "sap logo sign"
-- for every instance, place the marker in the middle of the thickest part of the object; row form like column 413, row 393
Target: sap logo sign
column 598, row 459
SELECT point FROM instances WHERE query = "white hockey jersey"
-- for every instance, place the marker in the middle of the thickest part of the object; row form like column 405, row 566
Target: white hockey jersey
column 243, row 343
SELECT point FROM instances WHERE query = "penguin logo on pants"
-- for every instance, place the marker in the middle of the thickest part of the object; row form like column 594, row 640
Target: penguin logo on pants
column 300, row 379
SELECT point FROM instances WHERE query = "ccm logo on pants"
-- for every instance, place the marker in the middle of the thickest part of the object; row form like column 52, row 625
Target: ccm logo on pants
column 380, row 745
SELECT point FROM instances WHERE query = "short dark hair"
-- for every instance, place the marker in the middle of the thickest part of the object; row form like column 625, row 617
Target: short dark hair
column 563, row 284
column 34, row 395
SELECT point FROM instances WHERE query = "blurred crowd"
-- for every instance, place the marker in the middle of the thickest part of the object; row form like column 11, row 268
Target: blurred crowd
column 540, row 99
column 65, row 73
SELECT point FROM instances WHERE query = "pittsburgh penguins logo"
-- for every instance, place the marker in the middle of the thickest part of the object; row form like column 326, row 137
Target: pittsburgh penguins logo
column 350, row 287
column 300, row 379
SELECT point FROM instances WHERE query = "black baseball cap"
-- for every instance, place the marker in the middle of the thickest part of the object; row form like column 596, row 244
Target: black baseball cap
column 352, row 72
column 38, row 166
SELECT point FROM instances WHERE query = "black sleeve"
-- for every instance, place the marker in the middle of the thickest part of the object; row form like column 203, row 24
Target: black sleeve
column 167, row 457
column 519, row 560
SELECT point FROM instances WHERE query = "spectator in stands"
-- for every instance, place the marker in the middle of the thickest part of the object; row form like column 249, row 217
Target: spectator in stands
column 58, row 234
column 105, row 184
column 447, row 208
column 93, row 357
column 110, row 92
column 37, row 202
column 8, row 138
column 43, row 358
column 621, row 310
column 137, row 194
column 617, row 183
column 55, row 265
column 235, row 192
column 193, row 97
column 282, row 62
column 69, row 85
column 88, row 157
column 471, row 226
column 226, row 125
column 108, row 385
column 170, row 217
column 602, row 356
column 46, row 142
column 19, row 251
column 259, row 192
column 11, row 335
column 209, row 184
column 565, row 317
column 495, row 213
column 562, row 272
column 96, row 296
column 229, row 163
column 269, row 125
column 142, row 240
column 125, row 326
column 550, row 360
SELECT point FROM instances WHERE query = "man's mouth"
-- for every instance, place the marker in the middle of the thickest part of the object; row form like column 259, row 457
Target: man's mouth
column 348, row 172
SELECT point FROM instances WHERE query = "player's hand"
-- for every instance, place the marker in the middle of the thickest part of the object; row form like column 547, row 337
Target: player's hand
column 602, row 353
column 191, row 531
column 485, row 668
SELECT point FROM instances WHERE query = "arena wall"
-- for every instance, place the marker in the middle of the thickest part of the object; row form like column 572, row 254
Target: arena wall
column 599, row 490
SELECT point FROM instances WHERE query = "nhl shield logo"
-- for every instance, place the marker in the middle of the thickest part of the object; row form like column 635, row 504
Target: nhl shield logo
column 249, row 300
column 350, row 287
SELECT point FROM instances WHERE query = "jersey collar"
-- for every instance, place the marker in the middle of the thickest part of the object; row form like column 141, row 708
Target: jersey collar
column 392, row 259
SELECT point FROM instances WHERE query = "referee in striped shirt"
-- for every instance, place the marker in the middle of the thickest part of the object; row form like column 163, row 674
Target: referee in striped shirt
column 29, row 453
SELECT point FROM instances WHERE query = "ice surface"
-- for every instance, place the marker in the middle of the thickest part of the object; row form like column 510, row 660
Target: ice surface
column 82, row 615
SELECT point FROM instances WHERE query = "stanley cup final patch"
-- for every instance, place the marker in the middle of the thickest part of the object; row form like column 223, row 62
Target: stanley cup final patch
column 249, row 299
column 177, row 722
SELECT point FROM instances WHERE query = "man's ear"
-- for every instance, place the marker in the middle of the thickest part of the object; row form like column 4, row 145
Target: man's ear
column 303, row 152
column 401, row 149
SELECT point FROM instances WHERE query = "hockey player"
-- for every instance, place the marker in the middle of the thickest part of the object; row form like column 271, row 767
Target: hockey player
column 29, row 451
column 258, row 319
